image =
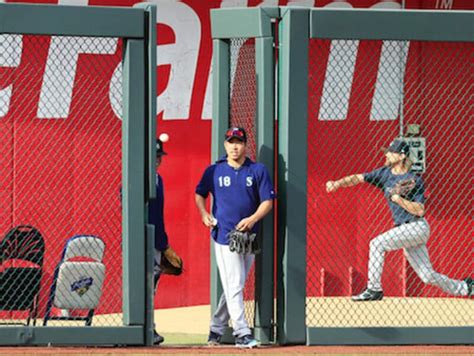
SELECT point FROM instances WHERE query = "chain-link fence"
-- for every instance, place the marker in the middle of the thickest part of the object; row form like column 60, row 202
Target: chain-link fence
column 60, row 177
column 243, row 112
column 362, row 95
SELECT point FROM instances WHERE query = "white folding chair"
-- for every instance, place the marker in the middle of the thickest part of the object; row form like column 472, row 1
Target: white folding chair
column 78, row 279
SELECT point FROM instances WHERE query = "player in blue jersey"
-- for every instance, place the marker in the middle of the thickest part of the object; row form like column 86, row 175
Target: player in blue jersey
column 411, row 231
column 156, row 217
column 242, row 194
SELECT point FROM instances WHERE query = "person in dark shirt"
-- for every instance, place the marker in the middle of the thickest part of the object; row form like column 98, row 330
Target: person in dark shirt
column 411, row 231
column 156, row 217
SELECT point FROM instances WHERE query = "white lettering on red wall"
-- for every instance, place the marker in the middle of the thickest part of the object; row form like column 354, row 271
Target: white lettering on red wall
column 181, row 57
column 58, row 79
column 340, row 75
column 10, row 55
column 444, row 4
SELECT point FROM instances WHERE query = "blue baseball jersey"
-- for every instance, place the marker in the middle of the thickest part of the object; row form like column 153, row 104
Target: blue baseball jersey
column 237, row 193
column 156, row 215
column 384, row 179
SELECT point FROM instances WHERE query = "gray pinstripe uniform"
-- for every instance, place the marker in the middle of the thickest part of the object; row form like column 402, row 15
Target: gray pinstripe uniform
column 410, row 233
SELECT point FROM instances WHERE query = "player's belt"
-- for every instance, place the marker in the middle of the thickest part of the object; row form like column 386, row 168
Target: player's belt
column 415, row 219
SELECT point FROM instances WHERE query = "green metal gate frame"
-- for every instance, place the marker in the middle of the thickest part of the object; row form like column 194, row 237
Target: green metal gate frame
column 342, row 24
column 137, row 27
column 292, row 168
column 253, row 23
column 296, row 27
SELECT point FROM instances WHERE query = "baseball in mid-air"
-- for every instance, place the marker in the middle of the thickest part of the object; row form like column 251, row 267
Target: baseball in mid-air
column 164, row 137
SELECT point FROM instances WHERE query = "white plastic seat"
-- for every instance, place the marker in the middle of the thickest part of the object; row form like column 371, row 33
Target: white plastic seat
column 78, row 279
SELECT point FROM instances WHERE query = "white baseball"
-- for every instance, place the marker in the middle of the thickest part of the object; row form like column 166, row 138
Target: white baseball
column 164, row 137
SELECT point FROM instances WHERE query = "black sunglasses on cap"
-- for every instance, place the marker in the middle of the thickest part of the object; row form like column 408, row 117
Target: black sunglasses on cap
column 236, row 132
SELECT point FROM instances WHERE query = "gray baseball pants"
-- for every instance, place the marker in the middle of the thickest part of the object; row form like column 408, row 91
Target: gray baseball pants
column 233, row 270
column 412, row 238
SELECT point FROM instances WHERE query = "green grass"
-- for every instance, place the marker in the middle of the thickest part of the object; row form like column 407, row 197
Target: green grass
column 184, row 339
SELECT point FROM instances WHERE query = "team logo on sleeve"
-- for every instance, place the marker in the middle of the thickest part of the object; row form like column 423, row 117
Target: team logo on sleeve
column 249, row 181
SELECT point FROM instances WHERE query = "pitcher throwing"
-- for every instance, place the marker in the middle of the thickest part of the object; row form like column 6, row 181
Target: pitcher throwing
column 404, row 192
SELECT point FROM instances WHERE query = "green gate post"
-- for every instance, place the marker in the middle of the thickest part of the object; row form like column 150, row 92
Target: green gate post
column 150, row 160
column 292, row 170
column 133, row 183
column 264, row 262
column 220, row 119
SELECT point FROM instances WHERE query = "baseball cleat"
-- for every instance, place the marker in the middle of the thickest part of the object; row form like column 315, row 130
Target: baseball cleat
column 470, row 283
column 214, row 339
column 368, row 295
column 157, row 338
column 246, row 342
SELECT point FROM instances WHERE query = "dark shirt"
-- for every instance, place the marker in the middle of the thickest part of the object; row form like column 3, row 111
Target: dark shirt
column 237, row 193
column 384, row 179
column 156, row 216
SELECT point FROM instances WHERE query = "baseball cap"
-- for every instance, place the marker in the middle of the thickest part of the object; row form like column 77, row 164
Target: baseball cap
column 159, row 148
column 236, row 132
column 399, row 146
column 159, row 144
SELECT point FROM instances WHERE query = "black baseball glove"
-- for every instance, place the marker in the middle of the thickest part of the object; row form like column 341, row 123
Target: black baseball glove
column 403, row 187
column 243, row 242
column 171, row 263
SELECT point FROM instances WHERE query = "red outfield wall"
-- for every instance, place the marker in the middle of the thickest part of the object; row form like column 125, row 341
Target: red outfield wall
column 184, row 110
column 341, row 224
